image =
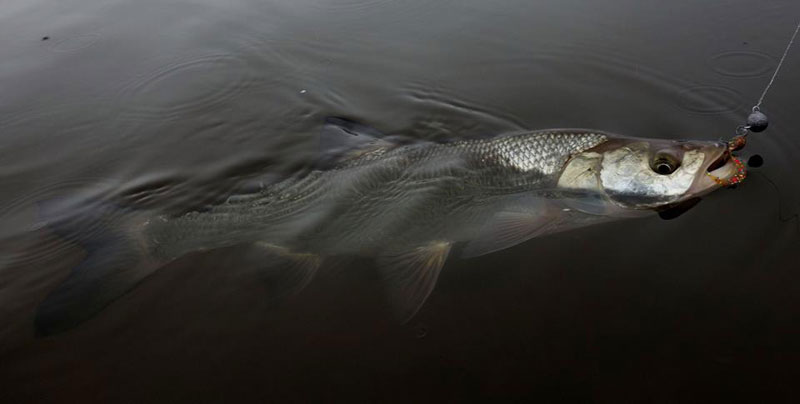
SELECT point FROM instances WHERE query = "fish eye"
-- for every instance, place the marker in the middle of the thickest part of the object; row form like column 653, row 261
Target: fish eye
column 664, row 163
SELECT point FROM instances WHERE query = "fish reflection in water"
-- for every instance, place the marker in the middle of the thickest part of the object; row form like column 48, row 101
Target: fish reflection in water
column 407, row 204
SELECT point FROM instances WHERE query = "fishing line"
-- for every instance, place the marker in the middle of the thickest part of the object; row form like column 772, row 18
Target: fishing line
column 777, row 69
column 757, row 121
column 794, row 217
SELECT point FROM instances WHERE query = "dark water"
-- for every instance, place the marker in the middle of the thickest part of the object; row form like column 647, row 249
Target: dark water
column 171, row 105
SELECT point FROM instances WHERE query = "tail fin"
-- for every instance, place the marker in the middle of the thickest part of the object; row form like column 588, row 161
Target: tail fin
column 114, row 264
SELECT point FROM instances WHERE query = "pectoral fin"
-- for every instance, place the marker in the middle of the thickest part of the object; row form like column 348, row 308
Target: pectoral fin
column 286, row 273
column 507, row 229
column 411, row 276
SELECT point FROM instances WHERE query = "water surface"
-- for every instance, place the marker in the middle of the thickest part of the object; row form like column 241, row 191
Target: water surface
column 171, row 105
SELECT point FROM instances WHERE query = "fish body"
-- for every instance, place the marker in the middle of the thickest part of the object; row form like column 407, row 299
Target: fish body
column 388, row 197
column 408, row 204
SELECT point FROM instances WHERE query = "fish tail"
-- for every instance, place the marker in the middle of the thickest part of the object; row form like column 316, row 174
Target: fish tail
column 116, row 261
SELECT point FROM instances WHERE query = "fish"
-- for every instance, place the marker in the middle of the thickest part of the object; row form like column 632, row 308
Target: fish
column 407, row 204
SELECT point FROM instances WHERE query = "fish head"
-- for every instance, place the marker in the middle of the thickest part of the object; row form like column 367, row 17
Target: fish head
column 657, row 174
column 637, row 175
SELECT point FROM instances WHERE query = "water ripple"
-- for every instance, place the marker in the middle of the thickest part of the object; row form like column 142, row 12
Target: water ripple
column 186, row 87
column 696, row 98
column 444, row 115
column 742, row 64
column 361, row 7
column 710, row 100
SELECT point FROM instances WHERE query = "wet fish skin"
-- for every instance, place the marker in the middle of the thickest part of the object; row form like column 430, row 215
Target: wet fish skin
column 386, row 197
column 407, row 205
column 389, row 197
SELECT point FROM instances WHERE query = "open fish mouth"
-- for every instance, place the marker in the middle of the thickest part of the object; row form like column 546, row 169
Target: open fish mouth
column 723, row 170
column 719, row 162
column 726, row 169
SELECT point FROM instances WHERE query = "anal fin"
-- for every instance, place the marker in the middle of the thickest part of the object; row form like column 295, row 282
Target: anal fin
column 411, row 275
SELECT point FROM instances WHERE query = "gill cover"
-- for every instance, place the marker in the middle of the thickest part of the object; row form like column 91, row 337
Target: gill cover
column 630, row 178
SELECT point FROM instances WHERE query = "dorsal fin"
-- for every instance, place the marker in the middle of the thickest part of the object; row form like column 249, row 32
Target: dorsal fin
column 352, row 127
column 340, row 134
column 341, row 137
